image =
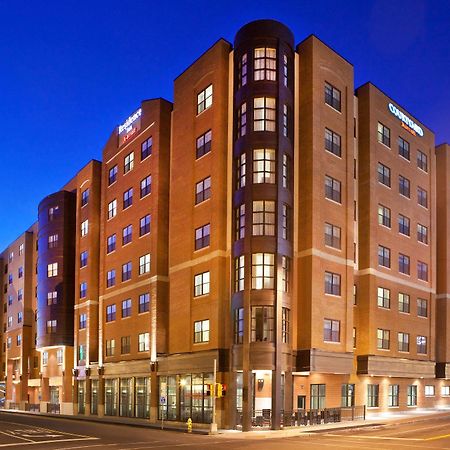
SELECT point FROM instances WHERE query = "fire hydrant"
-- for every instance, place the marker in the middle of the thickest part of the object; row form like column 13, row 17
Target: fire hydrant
column 189, row 425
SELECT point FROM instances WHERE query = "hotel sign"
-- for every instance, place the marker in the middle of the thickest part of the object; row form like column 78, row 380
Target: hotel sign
column 130, row 127
column 407, row 123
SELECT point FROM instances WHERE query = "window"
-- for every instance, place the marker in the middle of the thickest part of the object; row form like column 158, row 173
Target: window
column 112, row 175
column 373, row 395
column 242, row 120
column 403, row 148
column 201, row 284
column 262, row 324
column 422, row 307
column 52, row 213
column 126, row 271
column 265, row 64
column 239, row 273
column 286, row 121
column 263, row 218
column 144, row 264
column 52, row 298
column 422, row 271
column 264, row 166
column 10, row 300
column 10, row 279
column 20, row 272
column 204, row 99
column 239, row 325
column 332, row 235
column 44, row 358
column 144, row 225
column 422, row 161
column 83, row 259
column 8, row 342
column 10, row 320
column 84, row 228
column 125, row 344
column 317, row 396
column 51, row 326
column 111, row 243
column 286, row 171
column 53, row 241
column 403, row 264
column 144, row 342
column 383, row 339
column 332, row 283
column 240, row 171
column 83, row 289
column 19, row 317
column 332, row 189
column 403, row 186
column 128, row 198
column 421, row 342
column 111, row 278
column 19, row 294
column 52, row 270
column 204, row 144
column 242, row 72
column 201, row 331
column 429, row 390
column 84, row 197
column 384, row 175
column 144, row 302
column 422, row 197
column 59, row 356
column 285, row 313
column 262, row 271
column 285, row 70
column 285, row 273
column 240, row 221
column 393, row 395
column 111, row 312
column 384, row 256
column 203, row 190
column 422, row 233
column 332, row 142
column 403, row 342
column 146, row 148
column 384, row 216
column 411, row 395
column 128, row 162
column 354, row 337
column 127, row 234
column 264, row 114
column 202, row 236
column 19, row 340
column 20, row 249
column 112, row 209
column 384, row 135
column 126, row 308
column 110, row 347
column 403, row 302
column 445, row 391
column 285, row 221
column 146, row 186
column 82, row 321
column 331, row 330
column 332, row 96
column 384, row 297
column 403, row 225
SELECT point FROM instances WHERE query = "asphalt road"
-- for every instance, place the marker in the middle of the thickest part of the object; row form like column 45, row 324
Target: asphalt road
column 40, row 432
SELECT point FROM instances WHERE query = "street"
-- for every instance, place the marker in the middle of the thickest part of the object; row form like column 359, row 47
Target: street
column 40, row 432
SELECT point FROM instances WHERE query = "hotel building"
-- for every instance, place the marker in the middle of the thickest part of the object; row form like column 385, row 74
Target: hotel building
column 273, row 230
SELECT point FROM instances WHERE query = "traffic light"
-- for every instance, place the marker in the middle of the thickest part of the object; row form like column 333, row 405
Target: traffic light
column 209, row 390
column 221, row 390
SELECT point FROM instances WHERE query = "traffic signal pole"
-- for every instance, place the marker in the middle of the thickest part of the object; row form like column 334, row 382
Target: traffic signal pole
column 213, row 428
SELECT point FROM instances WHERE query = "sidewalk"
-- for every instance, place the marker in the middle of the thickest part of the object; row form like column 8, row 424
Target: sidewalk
column 372, row 420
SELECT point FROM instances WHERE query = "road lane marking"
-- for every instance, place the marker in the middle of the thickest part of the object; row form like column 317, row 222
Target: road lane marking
column 390, row 438
column 15, row 437
column 46, row 442
column 435, row 438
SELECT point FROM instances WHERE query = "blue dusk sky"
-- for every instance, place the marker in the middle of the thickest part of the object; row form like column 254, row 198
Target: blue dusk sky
column 72, row 70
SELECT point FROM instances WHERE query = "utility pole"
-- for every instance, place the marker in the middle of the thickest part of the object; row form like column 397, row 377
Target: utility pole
column 213, row 428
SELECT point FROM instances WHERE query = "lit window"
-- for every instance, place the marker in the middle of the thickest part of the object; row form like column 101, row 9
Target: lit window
column 204, row 99
column 240, row 171
column 422, row 307
column 422, row 233
column 445, row 391
column 201, row 284
column 201, row 331
column 403, row 302
column 52, row 213
column 112, row 209
column 421, row 344
column 383, row 339
column 285, row 70
column 84, row 228
column 262, row 270
column 429, row 391
column 239, row 325
column 110, row 347
column 242, row 120
column 21, row 249
column 264, row 166
column 144, row 264
column 264, row 114
column 285, row 273
column 263, row 218
column 44, row 358
column 286, row 121
column 384, row 297
column 52, row 270
column 411, row 395
column 384, row 216
column 144, row 342
column 59, row 356
column 128, row 162
column 332, row 96
column 242, row 71
column 125, row 345
column 393, row 395
column 403, row 342
column 384, row 135
column 51, row 326
column 285, row 221
column 265, row 64
column 239, row 273
column 52, row 298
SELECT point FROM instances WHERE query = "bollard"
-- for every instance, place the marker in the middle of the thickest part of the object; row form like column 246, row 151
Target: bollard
column 189, row 425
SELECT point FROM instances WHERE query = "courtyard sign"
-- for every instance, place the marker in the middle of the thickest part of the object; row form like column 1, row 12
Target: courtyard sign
column 407, row 123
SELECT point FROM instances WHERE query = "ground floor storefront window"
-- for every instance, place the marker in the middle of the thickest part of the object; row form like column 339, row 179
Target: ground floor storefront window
column 81, row 397
column 94, row 397
column 185, row 396
column 126, row 397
